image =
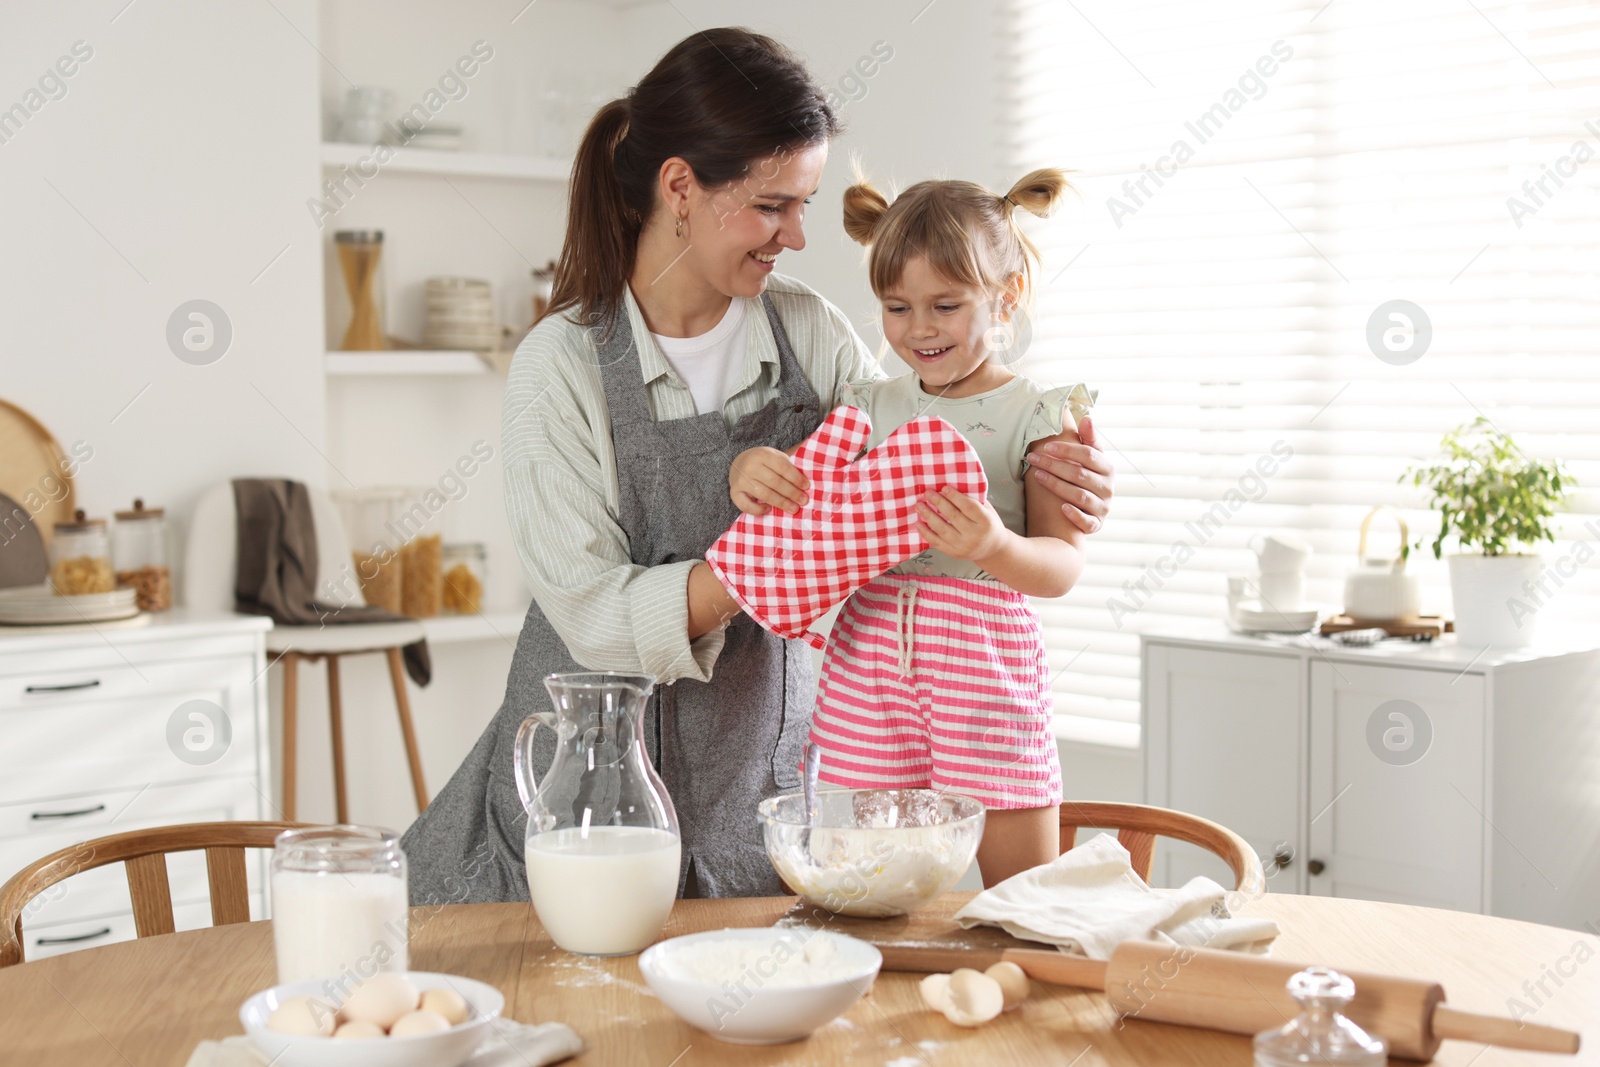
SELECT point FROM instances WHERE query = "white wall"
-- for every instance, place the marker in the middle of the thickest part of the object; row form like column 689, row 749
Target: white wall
column 171, row 170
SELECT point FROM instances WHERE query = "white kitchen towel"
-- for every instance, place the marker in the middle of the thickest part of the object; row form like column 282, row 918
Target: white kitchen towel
column 1089, row 901
column 512, row 1044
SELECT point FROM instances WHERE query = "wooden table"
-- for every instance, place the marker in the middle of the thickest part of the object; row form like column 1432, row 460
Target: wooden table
column 148, row 1002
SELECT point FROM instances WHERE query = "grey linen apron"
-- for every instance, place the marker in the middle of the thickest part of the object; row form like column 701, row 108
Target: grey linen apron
column 721, row 746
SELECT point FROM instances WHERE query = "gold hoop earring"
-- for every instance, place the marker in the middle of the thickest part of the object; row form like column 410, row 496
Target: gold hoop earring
column 678, row 229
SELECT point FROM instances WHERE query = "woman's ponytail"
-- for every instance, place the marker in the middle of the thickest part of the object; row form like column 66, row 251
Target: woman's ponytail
column 602, row 231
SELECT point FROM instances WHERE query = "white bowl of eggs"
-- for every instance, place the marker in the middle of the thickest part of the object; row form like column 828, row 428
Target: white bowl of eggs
column 410, row 1019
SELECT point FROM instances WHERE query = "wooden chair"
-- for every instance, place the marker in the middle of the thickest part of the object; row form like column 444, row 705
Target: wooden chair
column 1138, row 826
column 144, row 852
column 209, row 582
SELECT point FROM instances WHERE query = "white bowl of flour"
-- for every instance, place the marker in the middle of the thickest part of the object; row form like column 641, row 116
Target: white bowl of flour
column 760, row 986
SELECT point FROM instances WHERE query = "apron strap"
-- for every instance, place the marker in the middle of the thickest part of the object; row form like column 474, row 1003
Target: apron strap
column 621, row 373
column 792, row 384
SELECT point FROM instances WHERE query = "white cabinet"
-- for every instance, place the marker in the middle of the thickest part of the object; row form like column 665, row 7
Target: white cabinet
column 1421, row 774
column 110, row 729
column 1397, row 785
column 1205, row 710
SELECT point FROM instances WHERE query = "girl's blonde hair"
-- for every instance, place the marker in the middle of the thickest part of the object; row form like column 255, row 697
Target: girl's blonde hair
column 966, row 232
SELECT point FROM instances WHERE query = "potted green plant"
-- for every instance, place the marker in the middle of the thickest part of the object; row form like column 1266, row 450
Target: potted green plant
column 1491, row 496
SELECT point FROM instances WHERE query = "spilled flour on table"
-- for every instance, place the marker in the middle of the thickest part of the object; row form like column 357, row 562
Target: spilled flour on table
column 577, row 972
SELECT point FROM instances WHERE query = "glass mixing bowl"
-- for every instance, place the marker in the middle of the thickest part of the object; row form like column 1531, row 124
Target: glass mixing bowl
column 873, row 852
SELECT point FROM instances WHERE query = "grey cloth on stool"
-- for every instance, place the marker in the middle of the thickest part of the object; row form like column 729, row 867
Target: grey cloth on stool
column 276, row 571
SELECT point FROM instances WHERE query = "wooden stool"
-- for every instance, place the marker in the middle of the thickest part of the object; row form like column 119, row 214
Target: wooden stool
column 209, row 567
column 294, row 645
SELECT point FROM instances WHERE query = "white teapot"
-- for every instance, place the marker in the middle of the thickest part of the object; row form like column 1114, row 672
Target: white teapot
column 1379, row 589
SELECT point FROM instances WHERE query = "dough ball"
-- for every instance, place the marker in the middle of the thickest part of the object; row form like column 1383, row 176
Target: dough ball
column 936, row 991
column 1013, row 982
column 306, row 1016
column 413, row 1023
column 974, row 998
column 380, row 1000
column 447, row 1002
column 356, row 1030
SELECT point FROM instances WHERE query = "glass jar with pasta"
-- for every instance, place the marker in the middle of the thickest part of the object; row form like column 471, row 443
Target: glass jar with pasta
column 464, row 578
column 139, row 550
column 80, row 557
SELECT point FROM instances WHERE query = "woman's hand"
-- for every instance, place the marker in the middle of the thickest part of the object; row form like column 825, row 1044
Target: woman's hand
column 1080, row 474
column 764, row 478
column 961, row 526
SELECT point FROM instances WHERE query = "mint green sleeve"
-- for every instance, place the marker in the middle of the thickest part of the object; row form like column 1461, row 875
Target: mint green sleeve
column 1053, row 408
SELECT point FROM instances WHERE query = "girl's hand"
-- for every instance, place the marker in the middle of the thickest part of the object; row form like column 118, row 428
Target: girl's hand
column 1080, row 475
column 961, row 526
column 764, row 478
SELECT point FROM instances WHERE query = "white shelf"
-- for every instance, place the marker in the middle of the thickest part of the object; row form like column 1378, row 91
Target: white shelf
column 433, row 161
column 488, row 626
column 404, row 361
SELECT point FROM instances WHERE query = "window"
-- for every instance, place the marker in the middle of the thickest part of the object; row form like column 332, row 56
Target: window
column 1261, row 180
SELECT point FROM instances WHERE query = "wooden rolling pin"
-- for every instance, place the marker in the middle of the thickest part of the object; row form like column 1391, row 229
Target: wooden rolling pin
column 1243, row 994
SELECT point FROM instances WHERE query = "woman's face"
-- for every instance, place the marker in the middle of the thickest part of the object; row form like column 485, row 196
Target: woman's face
column 736, row 233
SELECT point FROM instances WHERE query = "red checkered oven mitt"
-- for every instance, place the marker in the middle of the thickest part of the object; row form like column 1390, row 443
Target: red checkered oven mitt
column 787, row 571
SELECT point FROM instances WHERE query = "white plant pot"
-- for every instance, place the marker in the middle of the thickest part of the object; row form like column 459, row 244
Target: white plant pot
column 1482, row 589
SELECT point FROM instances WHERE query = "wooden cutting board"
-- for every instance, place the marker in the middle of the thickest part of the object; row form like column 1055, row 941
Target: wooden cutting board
column 930, row 927
column 1426, row 626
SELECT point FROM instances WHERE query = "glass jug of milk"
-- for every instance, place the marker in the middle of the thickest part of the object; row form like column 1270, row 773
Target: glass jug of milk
column 603, row 845
column 339, row 904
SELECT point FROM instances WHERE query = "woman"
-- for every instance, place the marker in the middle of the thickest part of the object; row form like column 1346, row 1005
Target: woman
column 669, row 347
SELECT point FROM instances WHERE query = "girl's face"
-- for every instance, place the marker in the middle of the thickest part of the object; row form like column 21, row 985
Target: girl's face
column 737, row 233
column 938, row 327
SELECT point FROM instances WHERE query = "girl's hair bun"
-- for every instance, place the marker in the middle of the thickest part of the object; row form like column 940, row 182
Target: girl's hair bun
column 1038, row 192
column 864, row 208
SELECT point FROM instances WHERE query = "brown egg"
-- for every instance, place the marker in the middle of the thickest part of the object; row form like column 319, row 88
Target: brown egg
column 414, row 1023
column 381, row 1000
column 357, row 1030
column 1013, row 982
column 975, row 998
column 936, row 991
column 306, row 1016
column 447, row 1002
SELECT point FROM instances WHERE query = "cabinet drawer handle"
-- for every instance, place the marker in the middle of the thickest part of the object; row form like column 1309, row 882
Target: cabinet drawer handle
column 1316, row 866
column 90, row 684
column 67, row 814
column 1282, row 856
column 42, row 941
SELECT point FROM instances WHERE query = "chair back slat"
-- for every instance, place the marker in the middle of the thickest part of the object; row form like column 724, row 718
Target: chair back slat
column 1138, row 826
column 143, row 852
column 1141, row 846
column 230, row 888
column 152, row 895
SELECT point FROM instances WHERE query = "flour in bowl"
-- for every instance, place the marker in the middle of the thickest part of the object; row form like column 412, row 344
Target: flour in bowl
column 779, row 961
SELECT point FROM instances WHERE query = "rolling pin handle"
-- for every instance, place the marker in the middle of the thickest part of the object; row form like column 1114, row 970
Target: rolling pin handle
column 1502, row 1032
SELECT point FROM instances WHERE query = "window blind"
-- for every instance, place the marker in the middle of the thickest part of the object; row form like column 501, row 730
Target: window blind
column 1259, row 180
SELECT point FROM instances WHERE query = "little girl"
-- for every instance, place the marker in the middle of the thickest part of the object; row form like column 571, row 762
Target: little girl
column 935, row 673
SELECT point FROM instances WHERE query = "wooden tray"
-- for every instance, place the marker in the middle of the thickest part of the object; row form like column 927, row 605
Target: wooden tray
column 1421, row 626
column 34, row 471
column 930, row 927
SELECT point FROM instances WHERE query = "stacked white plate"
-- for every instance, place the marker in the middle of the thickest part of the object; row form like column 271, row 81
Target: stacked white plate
column 38, row 605
column 1252, row 616
column 460, row 314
